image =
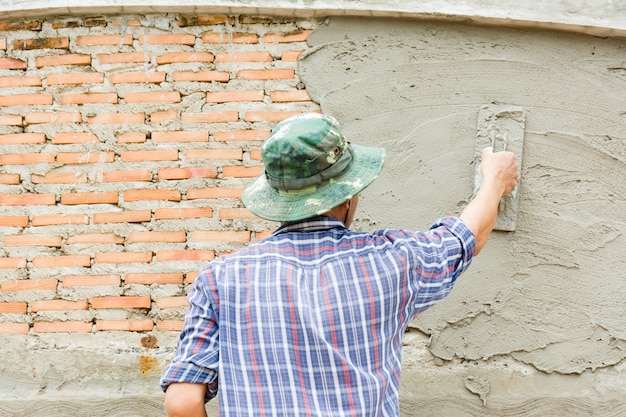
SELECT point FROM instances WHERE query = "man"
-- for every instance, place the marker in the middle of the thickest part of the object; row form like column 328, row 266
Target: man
column 309, row 321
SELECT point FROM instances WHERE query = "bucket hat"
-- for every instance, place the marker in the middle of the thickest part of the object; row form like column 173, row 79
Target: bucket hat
column 310, row 168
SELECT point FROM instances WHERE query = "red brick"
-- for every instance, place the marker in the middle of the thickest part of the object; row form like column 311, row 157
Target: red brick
column 20, row 24
column 117, row 118
column 143, row 237
column 151, row 195
column 14, row 328
column 220, row 236
column 212, row 117
column 65, row 138
column 297, row 36
column 178, row 57
column 22, row 138
column 214, row 154
column 26, row 158
column 166, row 38
column 243, row 57
column 122, row 257
column 241, row 171
column 12, row 63
column 60, row 219
column 68, row 59
column 95, row 238
column 121, row 302
column 3, row 44
column 236, row 214
column 123, row 57
column 10, row 179
column 10, row 120
column 155, row 278
column 214, row 192
column 201, row 76
column 89, row 98
column 181, row 136
column 137, row 77
column 12, row 263
column 185, row 255
column 75, row 78
column 169, row 325
column 29, row 285
column 240, row 38
column 163, row 116
column 266, row 74
column 23, row 81
column 41, row 43
column 182, row 213
column 26, row 99
column 53, row 117
column 231, row 96
column 241, row 135
column 85, row 158
column 204, row 20
column 289, row 96
column 128, row 325
column 145, row 156
column 291, row 56
column 131, row 137
column 190, row 277
column 123, row 176
column 58, row 305
column 186, row 173
column 32, row 240
column 60, row 178
column 18, row 308
column 96, row 197
column 101, row 40
column 171, row 302
column 61, row 261
column 91, row 281
column 262, row 235
column 27, row 200
column 153, row 97
column 62, row 327
column 127, row 216
column 268, row 116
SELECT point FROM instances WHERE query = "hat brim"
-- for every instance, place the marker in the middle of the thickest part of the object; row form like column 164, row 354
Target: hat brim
column 271, row 204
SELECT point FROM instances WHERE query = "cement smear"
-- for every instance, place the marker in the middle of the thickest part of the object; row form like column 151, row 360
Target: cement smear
column 539, row 316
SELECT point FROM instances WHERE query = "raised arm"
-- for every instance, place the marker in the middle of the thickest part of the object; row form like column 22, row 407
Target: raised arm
column 499, row 177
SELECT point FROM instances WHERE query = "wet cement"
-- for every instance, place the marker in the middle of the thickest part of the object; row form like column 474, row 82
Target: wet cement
column 540, row 313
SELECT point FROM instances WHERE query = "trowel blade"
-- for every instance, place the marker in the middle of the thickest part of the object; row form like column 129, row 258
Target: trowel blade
column 502, row 127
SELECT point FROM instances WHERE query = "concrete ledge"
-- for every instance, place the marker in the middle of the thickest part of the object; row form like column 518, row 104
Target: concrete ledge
column 593, row 17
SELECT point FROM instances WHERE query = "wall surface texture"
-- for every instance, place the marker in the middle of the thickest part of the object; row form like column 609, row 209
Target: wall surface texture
column 127, row 138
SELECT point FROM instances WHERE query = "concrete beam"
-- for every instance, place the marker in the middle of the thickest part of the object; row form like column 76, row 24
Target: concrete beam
column 593, row 17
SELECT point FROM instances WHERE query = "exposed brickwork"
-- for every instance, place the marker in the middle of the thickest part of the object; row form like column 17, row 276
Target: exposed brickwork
column 125, row 149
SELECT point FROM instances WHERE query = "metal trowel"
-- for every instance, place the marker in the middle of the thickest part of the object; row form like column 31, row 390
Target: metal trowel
column 501, row 127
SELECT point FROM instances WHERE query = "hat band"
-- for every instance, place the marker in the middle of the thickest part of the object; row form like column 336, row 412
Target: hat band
column 298, row 183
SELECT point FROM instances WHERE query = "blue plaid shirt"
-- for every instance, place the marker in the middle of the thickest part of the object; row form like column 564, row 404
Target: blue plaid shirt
column 309, row 321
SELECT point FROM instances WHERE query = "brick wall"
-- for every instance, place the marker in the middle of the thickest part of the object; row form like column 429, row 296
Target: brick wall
column 126, row 142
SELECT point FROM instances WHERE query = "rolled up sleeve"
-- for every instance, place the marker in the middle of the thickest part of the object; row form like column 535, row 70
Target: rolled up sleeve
column 197, row 355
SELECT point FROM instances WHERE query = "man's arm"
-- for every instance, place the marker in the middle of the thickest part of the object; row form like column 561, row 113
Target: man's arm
column 185, row 400
column 499, row 177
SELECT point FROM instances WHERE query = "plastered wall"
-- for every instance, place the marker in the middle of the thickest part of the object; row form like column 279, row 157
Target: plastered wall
column 124, row 155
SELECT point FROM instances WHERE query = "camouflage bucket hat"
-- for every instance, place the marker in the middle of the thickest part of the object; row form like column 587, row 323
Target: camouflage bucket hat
column 310, row 168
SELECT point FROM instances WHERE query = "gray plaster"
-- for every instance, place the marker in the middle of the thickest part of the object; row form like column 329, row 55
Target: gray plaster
column 550, row 294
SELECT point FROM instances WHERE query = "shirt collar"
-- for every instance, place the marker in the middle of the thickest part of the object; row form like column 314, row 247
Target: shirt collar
column 314, row 224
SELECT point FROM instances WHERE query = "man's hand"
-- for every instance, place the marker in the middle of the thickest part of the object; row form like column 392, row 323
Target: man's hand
column 500, row 168
column 499, row 177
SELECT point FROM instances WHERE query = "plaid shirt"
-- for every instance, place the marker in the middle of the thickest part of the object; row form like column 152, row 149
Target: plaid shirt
column 309, row 321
